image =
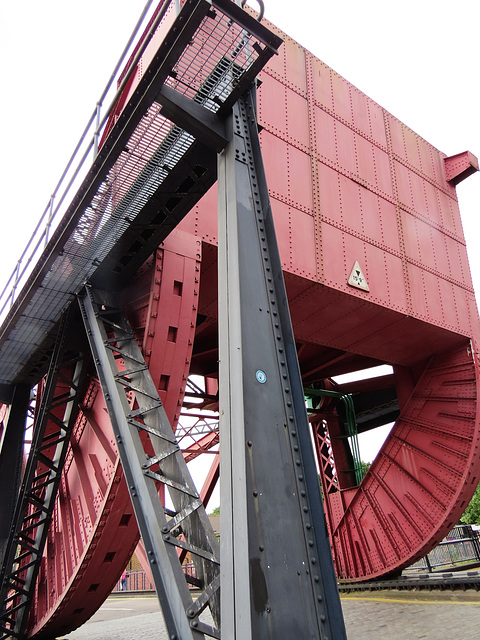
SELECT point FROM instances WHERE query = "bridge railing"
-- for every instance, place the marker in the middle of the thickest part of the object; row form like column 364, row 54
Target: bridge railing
column 460, row 547
column 138, row 580
column 135, row 581
column 84, row 152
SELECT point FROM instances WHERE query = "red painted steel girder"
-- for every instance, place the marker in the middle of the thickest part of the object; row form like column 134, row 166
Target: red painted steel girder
column 94, row 532
column 420, row 482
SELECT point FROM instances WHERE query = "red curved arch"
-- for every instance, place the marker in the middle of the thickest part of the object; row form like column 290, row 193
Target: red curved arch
column 422, row 479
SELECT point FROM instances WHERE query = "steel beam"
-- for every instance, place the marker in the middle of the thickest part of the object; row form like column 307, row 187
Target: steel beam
column 151, row 458
column 277, row 572
column 11, row 458
column 32, row 516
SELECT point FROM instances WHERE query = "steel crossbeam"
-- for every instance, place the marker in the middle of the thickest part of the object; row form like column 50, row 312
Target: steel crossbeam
column 150, row 456
column 277, row 572
column 52, row 430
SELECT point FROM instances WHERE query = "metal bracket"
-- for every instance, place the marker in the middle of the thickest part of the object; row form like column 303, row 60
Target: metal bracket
column 200, row 122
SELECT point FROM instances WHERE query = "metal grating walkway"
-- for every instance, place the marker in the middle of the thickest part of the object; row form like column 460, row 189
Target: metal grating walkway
column 146, row 177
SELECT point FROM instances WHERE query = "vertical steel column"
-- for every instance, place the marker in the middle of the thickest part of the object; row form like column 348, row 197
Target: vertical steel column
column 11, row 459
column 277, row 572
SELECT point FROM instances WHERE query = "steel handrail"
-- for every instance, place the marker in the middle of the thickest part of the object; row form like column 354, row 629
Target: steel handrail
column 9, row 290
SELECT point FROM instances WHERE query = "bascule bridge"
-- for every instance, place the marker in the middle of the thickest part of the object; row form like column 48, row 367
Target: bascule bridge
column 252, row 226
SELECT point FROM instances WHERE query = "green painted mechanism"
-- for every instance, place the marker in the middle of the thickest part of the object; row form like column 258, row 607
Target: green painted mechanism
column 350, row 421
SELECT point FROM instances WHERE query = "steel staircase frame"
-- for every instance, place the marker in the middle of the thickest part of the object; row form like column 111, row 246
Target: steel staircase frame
column 150, row 457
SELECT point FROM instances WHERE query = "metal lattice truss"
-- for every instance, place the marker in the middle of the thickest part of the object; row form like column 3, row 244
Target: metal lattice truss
column 151, row 456
column 54, row 424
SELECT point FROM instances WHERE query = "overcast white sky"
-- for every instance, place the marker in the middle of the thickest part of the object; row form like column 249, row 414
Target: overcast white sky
column 417, row 58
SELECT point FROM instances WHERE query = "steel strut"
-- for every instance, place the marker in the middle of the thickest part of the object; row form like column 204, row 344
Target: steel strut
column 278, row 580
column 35, row 504
column 11, row 461
column 150, row 456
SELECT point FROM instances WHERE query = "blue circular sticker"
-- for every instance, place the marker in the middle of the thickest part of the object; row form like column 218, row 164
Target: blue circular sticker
column 261, row 376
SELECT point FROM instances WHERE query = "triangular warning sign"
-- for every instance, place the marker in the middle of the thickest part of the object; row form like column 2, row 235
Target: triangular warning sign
column 357, row 279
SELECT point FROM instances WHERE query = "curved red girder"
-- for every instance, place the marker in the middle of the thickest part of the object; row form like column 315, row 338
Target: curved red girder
column 420, row 482
column 94, row 532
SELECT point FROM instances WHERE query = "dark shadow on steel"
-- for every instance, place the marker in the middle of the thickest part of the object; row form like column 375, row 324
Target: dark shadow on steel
column 52, row 430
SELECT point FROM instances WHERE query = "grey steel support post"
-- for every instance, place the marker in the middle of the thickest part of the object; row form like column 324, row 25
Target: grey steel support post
column 150, row 455
column 11, row 459
column 277, row 574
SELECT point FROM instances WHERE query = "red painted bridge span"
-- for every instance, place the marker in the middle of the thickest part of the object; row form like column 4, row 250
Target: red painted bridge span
column 376, row 272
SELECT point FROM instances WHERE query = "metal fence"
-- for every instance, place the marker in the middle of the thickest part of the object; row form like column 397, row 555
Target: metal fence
column 138, row 581
column 135, row 581
column 460, row 547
